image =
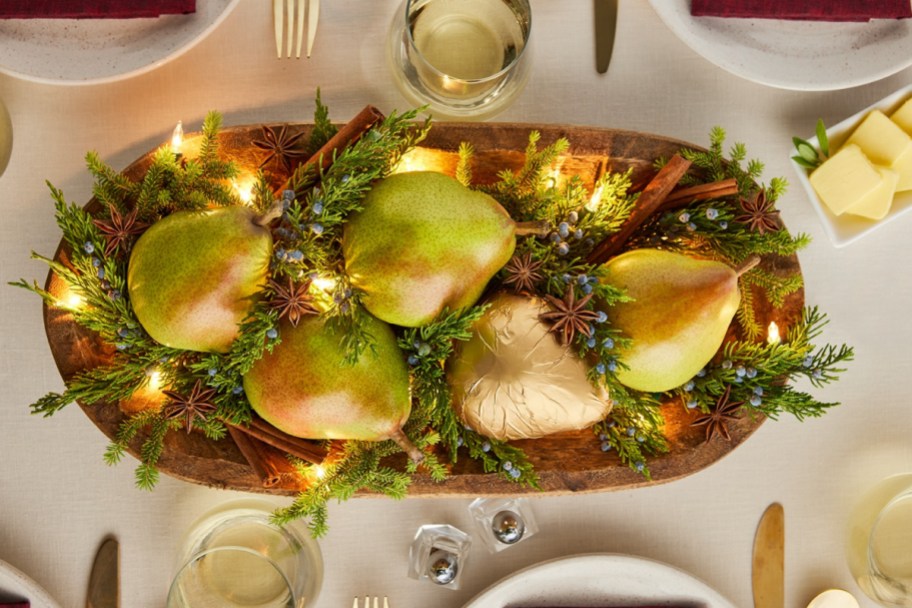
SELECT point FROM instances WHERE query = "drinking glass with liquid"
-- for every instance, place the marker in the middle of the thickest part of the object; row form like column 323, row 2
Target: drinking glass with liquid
column 235, row 557
column 880, row 542
column 465, row 59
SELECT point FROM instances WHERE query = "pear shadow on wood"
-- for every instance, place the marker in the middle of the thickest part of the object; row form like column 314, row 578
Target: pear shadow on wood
column 567, row 462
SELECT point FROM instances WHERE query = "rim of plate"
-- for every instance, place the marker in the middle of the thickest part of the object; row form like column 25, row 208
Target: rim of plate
column 132, row 72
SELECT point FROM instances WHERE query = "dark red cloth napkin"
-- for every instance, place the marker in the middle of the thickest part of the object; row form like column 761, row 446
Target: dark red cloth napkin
column 93, row 9
column 811, row 10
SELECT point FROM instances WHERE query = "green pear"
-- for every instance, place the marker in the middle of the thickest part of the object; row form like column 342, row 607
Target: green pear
column 680, row 311
column 307, row 389
column 424, row 242
column 193, row 276
column 514, row 379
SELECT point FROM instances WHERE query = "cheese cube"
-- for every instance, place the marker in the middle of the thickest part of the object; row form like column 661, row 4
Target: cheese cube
column 845, row 178
column 876, row 204
column 886, row 144
column 903, row 116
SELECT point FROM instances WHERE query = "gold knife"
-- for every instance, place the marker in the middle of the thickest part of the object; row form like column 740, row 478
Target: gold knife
column 605, row 26
column 768, row 563
column 104, row 582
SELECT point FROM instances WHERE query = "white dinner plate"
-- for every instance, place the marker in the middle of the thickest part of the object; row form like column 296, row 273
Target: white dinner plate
column 89, row 51
column 599, row 580
column 798, row 55
column 14, row 585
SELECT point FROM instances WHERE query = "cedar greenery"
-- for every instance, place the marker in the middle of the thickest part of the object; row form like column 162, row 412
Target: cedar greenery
column 315, row 205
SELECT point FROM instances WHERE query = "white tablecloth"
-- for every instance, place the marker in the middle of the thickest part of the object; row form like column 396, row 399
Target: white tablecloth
column 58, row 498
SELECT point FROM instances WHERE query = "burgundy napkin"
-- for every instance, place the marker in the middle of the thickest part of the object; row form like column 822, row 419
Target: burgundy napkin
column 93, row 9
column 811, row 10
column 15, row 605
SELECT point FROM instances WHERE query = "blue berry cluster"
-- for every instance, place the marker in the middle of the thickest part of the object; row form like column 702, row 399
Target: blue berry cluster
column 566, row 232
column 688, row 218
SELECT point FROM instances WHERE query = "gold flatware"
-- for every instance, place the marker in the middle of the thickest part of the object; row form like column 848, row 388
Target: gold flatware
column 288, row 18
column 367, row 602
column 104, row 581
column 768, row 563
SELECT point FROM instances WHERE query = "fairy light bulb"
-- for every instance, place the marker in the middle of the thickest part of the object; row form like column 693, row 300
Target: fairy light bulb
column 772, row 333
column 72, row 301
column 155, row 378
column 177, row 137
column 243, row 186
column 596, row 198
column 319, row 471
column 324, row 283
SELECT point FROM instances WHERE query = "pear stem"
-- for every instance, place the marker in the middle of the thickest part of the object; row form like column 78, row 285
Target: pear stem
column 416, row 455
column 273, row 213
column 747, row 264
column 538, row 228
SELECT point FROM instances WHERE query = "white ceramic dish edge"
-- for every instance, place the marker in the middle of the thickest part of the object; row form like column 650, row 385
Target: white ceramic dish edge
column 599, row 579
column 128, row 72
column 16, row 582
column 846, row 229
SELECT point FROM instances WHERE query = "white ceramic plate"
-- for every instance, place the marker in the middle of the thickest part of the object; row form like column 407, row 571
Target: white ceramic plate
column 88, row 51
column 599, row 580
column 14, row 585
column 798, row 55
column 844, row 229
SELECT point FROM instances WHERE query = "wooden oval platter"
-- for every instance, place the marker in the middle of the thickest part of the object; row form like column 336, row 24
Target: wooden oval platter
column 565, row 462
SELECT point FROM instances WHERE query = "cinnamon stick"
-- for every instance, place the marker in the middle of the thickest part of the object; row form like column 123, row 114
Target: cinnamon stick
column 702, row 192
column 269, row 464
column 650, row 198
column 305, row 449
column 347, row 135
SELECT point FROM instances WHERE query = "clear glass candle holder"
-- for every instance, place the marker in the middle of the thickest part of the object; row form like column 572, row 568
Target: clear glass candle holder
column 235, row 556
column 880, row 542
column 464, row 59
column 503, row 522
column 438, row 555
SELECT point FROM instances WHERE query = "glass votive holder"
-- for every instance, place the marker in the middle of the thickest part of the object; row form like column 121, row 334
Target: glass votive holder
column 880, row 542
column 503, row 522
column 465, row 59
column 438, row 555
column 236, row 556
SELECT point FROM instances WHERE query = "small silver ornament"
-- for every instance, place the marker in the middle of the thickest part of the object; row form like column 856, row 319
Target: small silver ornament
column 442, row 567
column 508, row 527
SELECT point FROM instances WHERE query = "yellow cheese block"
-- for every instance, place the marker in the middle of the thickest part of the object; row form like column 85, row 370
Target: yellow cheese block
column 903, row 116
column 845, row 179
column 876, row 204
column 886, row 144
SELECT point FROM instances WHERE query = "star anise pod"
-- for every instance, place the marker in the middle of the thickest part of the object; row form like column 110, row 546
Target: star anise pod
column 292, row 301
column 759, row 214
column 716, row 421
column 119, row 229
column 570, row 315
column 522, row 272
column 280, row 146
column 195, row 406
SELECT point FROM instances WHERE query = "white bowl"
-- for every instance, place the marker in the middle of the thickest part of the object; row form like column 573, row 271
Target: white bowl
column 846, row 228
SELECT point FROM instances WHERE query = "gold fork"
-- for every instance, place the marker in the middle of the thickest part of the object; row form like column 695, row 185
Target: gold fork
column 367, row 603
column 288, row 17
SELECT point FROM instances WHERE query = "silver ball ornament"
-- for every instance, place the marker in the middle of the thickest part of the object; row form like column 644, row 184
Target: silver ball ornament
column 442, row 567
column 508, row 527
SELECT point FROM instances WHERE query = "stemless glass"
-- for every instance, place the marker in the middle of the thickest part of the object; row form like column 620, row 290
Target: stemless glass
column 234, row 557
column 880, row 542
column 464, row 59
column 6, row 137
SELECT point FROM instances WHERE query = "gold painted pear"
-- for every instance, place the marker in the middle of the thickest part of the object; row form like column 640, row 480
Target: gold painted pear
column 513, row 379
column 680, row 311
column 307, row 389
column 424, row 242
column 193, row 276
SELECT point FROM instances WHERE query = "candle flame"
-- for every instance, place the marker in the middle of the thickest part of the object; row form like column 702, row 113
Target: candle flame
column 177, row 137
column 596, row 198
column 772, row 334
